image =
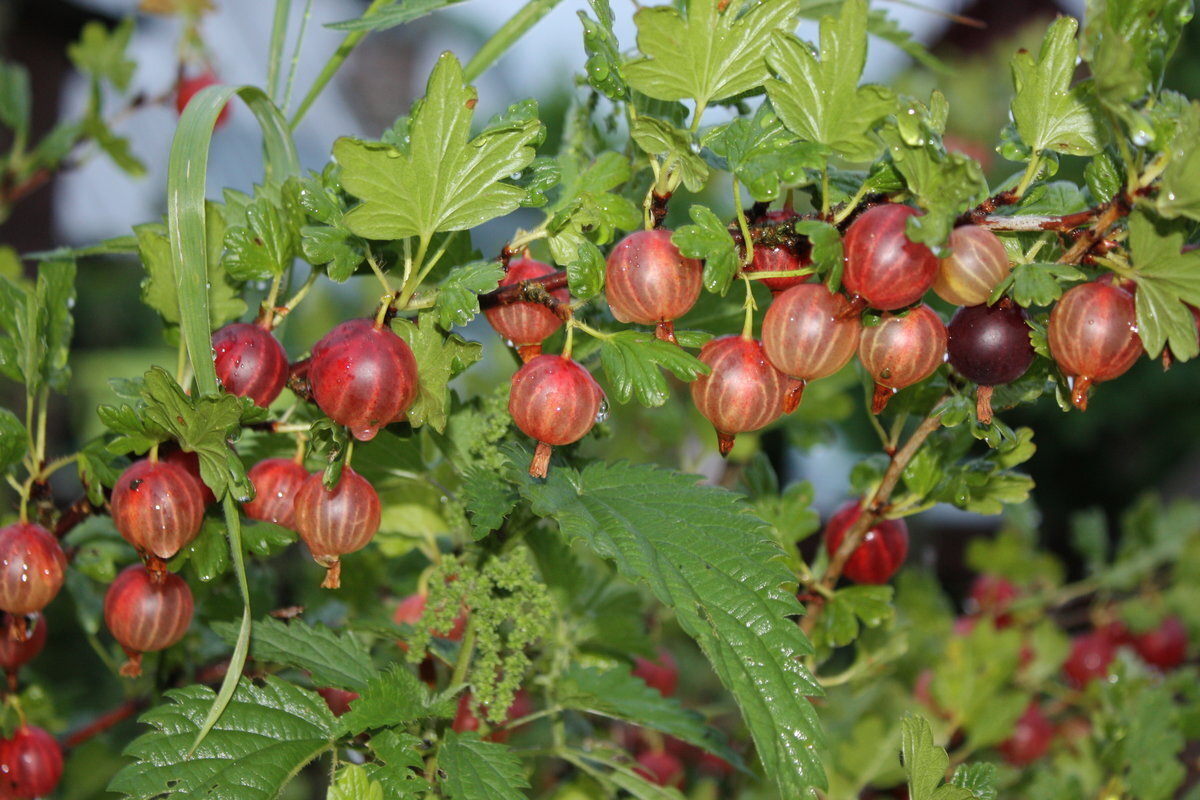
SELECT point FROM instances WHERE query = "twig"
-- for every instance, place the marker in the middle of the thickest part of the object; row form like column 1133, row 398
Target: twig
column 106, row 720
column 535, row 290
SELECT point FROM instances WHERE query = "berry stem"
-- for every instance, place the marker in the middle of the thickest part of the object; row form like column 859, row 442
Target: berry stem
column 848, row 207
column 1031, row 172
column 387, row 287
column 743, row 225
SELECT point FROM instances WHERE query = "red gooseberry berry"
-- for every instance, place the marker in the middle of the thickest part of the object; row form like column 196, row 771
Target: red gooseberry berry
column 808, row 333
column 743, row 392
column 334, row 522
column 157, row 507
column 902, row 350
column 993, row 596
column 146, row 611
column 31, row 763
column 21, row 639
column 1093, row 336
column 190, row 86
column 780, row 252
column 882, row 266
column 32, row 569
column 525, row 323
column 466, row 718
column 555, row 401
column 338, row 700
column 1090, row 657
column 1164, row 647
column 250, row 362
column 276, row 482
column 975, row 266
column 648, row 281
column 881, row 552
column 662, row 673
column 1031, row 738
column 660, row 767
column 989, row 345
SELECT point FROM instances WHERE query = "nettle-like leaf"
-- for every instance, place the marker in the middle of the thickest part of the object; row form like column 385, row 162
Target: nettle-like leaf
column 763, row 154
column 821, row 101
column 926, row 763
column 458, row 295
column 1179, row 195
column 479, row 770
column 442, row 180
column 707, row 238
column 673, row 145
column 332, row 658
column 711, row 54
column 439, row 358
column 265, row 735
column 100, row 53
column 1166, row 279
column 398, row 764
column 488, row 499
column 1049, row 113
column 393, row 698
column 603, row 68
column 729, row 589
column 631, row 362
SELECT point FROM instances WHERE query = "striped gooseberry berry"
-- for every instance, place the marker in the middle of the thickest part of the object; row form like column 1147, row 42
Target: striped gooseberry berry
column 146, row 611
column 882, row 266
column 782, row 250
column 363, row 376
column 250, row 362
column 808, row 333
column 157, row 507
column 31, row 763
column 901, row 350
column 662, row 673
column 555, row 401
column 32, row 568
column 334, row 522
column 743, row 392
column 21, row 639
column 191, row 465
column 881, row 552
column 467, row 715
column 648, row 281
column 975, row 266
column 1093, row 336
column 525, row 323
column 990, row 346
column 276, row 482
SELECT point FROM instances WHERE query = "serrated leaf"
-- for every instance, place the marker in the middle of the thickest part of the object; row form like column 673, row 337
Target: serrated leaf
column 707, row 238
column 978, row 779
column 585, row 271
column 96, row 470
column 1179, row 194
column 1127, row 45
column 264, row 246
column 339, row 250
column 402, row 766
column 488, row 499
column 333, row 658
column 1040, row 284
column 660, row 138
column 458, row 295
column 925, row 763
column 266, row 734
column 353, row 783
column 763, row 154
column 100, row 52
column 1166, row 279
column 392, row 698
column 443, row 180
column 826, row 251
column 397, row 13
column 713, row 53
column 115, row 146
column 729, row 589
column 208, row 553
column 821, row 101
column 631, row 362
column 479, row 770
column 438, row 360
column 1050, row 113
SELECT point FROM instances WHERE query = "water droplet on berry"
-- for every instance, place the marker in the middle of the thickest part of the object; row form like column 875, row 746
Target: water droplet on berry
column 602, row 412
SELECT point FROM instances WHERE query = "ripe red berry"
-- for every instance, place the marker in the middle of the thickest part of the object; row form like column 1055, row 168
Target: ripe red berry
column 648, row 281
column 989, row 345
column 744, row 391
column 334, row 523
column 1093, row 336
column 881, row 552
column 1031, row 738
column 31, row 763
column 190, row 86
column 660, row 767
column 1164, row 647
column 882, row 266
column 976, row 265
column 250, row 362
column 902, row 350
column 993, row 596
column 146, row 611
column 555, row 401
column 157, row 507
column 782, row 256
column 662, row 673
column 524, row 323
column 465, row 718
column 21, row 640
column 1091, row 654
column 190, row 462
column 338, row 700
column 32, row 568
column 276, row 481
column 362, row 376
column 808, row 333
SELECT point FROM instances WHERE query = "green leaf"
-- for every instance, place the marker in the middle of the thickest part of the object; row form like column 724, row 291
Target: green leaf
column 488, row 498
column 709, row 55
column 353, row 783
column 763, row 154
column 97, row 470
column 925, row 763
column 978, row 779
column 15, row 99
column 116, row 147
column 265, row 245
column 13, row 440
column 1166, row 279
column 674, row 145
column 585, row 272
column 266, row 735
column 100, row 53
column 55, row 293
column 442, row 181
column 479, row 770
column 1127, row 45
column 708, row 238
column 1040, row 284
column 402, row 765
column 397, row 13
column 1179, row 194
column 603, row 68
column 821, row 101
column 826, row 250
column 337, row 248
column 392, row 698
column 586, row 203
column 333, row 658
column 458, row 295
column 438, row 360
column 208, row 553
column 1049, row 112
column 631, row 362
column 729, row 589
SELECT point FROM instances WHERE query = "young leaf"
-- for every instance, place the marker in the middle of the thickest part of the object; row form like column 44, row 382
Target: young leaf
column 443, row 180
column 333, row 658
column 353, row 783
column 265, row 245
column 458, row 295
column 925, row 763
column 708, row 238
column 1039, row 284
column 585, row 271
column 393, row 698
column 15, row 101
column 267, row 733
column 438, row 360
column 762, row 153
column 100, row 53
column 479, row 770
column 631, row 362
column 660, row 138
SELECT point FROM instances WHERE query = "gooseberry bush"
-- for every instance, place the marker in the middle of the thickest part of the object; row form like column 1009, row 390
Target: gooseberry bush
column 405, row 553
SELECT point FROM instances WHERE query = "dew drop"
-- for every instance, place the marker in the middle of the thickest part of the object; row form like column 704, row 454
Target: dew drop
column 602, row 412
column 1142, row 138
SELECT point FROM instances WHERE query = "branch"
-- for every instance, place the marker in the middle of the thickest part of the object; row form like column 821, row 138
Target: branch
column 535, row 290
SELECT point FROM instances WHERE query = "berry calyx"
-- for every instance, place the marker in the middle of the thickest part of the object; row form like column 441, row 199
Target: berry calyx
column 743, row 392
column 525, row 323
column 553, row 400
column 808, row 333
column 157, row 507
column 250, row 362
column 363, row 376
column 976, row 265
column 32, row 568
column 1091, row 654
column 662, row 673
column 336, row 522
column 276, row 482
column 902, row 350
column 1093, row 336
column 881, row 551
column 1031, row 738
column 989, row 345
column 648, row 281
column 190, row 86
column 31, row 763
column 146, row 611
column 883, row 266
column 1164, row 647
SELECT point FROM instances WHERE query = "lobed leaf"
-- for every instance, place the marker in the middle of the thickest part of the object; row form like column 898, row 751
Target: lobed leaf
column 438, row 360
column 479, row 770
column 707, row 238
column 631, row 362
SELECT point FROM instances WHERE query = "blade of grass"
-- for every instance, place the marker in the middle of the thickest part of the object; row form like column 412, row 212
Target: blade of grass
column 283, row 10
column 516, row 27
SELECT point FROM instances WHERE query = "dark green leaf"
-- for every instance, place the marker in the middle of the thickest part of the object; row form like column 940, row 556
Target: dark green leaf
column 458, row 295
column 97, row 470
column 585, row 272
column 264, row 246
column 338, row 249
column 631, row 362
column 208, row 553
column 479, row 770
column 488, row 498
column 1040, row 284
column 332, row 658
column 392, row 698
column 438, row 360
column 13, row 440
column 1127, row 45
column 707, row 238
column 1179, row 194
column 100, row 52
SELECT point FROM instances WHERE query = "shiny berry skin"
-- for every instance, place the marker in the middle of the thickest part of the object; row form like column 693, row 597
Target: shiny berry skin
column 780, row 257
column 660, row 767
column 881, row 552
column 882, row 266
column 744, row 391
column 993, row 596
column 191, row 465
column 276, row 481
column 20, row 640
column 146, row 611
column 990, row 345
column 523, row 323
column 662, row 673
column 334, row 523
column 553, row 400
column 191, row 86
column 1031, row 738
column 808, row 333
column 1091, row 654
column 338, row 700
column 648, row 281
column 363, row 377
column 31, row 763
column 1164, row 647
column 32, row 568
column 250, row 362
column 976, row 265
column 157, row 507
column 902, row 350
column 1093, row 336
